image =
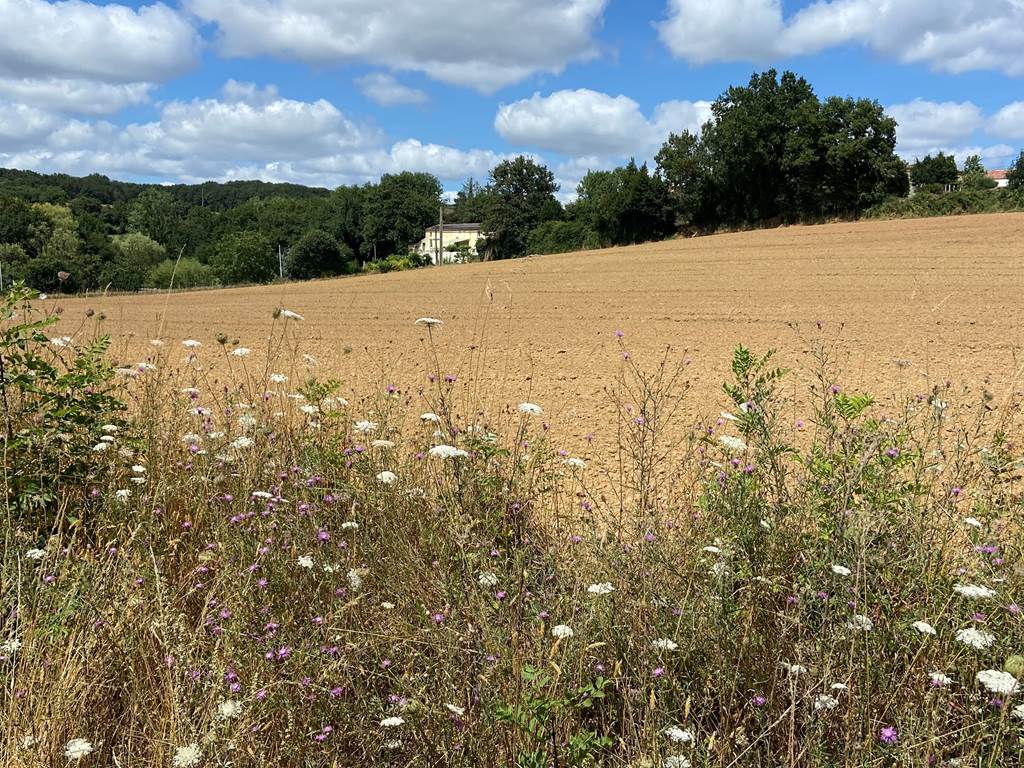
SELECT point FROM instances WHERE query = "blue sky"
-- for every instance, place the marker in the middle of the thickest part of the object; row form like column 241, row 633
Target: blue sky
column 338, row 92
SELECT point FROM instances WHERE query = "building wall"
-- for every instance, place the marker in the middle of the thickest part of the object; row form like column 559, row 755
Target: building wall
column 428, row 245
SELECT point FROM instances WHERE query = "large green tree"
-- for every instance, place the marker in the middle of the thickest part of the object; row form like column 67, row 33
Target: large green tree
column 317, row 254
column 244, row 257
column 624, row 206
column 520, row 197
column 684, row 165
column 397, row 212
column 932, row 171
column 1015, row 173
column 135, row 256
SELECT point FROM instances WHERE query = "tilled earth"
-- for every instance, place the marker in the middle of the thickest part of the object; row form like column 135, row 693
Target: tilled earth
column 903, row 306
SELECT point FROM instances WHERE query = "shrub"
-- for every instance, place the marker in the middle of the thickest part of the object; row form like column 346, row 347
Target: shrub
column 185, row 273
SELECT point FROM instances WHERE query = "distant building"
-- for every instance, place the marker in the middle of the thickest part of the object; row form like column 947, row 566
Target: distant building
column 457, row 235
column 1000, row 178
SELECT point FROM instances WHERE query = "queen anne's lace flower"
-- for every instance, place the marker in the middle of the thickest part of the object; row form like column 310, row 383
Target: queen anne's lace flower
column 975, row 638
column 998, row 681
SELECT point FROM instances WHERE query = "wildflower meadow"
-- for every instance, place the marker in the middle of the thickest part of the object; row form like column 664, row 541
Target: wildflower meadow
column 213, row 558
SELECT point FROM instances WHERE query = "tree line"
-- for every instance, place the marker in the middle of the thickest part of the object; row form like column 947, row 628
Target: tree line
column 772, row 152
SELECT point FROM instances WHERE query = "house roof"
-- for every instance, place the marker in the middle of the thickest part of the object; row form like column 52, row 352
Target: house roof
column 456, row 228
column 996, row 175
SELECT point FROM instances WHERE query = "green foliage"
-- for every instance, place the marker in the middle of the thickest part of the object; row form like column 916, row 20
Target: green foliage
column 244, row 257
column 624, row 206
column 685, row 167
column 185, row 273
column 1015, row 173
column 136, row 257
column 974, row 175
column 542, row 714
column 961, row 201
column 562, row 237
column 939, row 170
column 470, row 203
column 55, row 397
column 520, row 197
column 397, row 211
column 317, row 254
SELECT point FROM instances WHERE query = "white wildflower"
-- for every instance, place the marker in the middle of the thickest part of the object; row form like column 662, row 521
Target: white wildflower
column 733, row 444
column 711, row 549
column 430, row 322
column 100, row 447
column 975, row 638
column 793, row 669
column 430, row 418
column 840, row 570
column 289, row 315
column 825, row 702
column 561, row 631
column 530, row 409
column 939, row 678
column 678, row 735
column 305, row 561
column 861, row 622
column 387, row 477
column 242, row 442
column 309, row 410
column 61, row 341
column 77, row 749
column 575, row 463
column 191, row 344
column 187, row 756
column 677, row 761
column 924, row 628
column 110, row 428
column 278, row 378
column 603, row 588
column 350, row 525
column 355, row 578
column 10, row 646
column 1018, row 712
column 839, row 687
column 36, row 554
column 156, row 342
column 665, row 644
column 387, row 606
column 998, row 681
column 973, row 522
column 728, row 416
column 365, row 426
column 448, row 452
column 973, row 591
column 391, row 722
column 457, row 711
column 228, row 709
column 138, row 469
column 382, row 444
column 487, row 579
column 123, row 495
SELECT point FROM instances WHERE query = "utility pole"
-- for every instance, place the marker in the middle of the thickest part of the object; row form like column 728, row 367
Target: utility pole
column 280, row 262
column 440, row 235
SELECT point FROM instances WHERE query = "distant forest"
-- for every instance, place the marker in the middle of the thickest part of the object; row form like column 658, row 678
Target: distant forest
column 772, row 153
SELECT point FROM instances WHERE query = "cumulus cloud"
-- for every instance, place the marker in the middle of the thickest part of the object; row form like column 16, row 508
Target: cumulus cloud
column 81, row 97
column 1008, row 122
column 925, row 126
column 589, row 123
column 483, row 45
column 948, row 35
column 385, row 90
column 246, row 132
column 106, row 43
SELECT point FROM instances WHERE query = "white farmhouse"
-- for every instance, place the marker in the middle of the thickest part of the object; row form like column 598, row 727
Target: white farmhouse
column 453, row 235
column 999, row 177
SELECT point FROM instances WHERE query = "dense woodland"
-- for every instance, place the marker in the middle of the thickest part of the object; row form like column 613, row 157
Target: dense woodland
column 772, row 153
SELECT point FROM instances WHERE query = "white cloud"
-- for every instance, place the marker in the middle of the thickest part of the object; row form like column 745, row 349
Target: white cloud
column 1008, row 122
column 80, row 97
column 109, row 43
column 246, row 132
column 948, row 35
column 589, row 123
column 925, row 126
column 485, row 45
column 385, row 90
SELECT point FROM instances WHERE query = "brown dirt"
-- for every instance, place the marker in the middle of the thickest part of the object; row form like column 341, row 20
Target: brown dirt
column 944, row 294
